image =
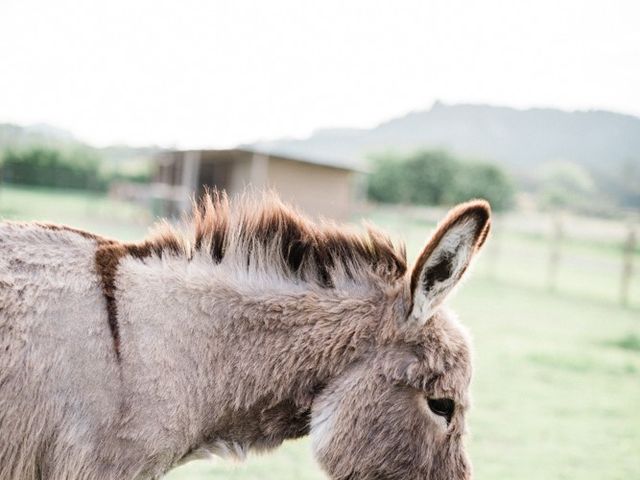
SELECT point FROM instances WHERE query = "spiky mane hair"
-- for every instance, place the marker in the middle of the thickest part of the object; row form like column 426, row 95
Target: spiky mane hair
column 260, row 233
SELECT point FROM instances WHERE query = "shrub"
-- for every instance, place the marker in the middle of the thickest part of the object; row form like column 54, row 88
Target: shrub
column 435, row 177
column 42, row 166
column 484, row 180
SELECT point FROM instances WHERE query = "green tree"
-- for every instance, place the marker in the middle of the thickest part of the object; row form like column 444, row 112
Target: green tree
column 385, row 184
column 485, row 180
column 44, row 166
column 430, row 177
column 435, row 177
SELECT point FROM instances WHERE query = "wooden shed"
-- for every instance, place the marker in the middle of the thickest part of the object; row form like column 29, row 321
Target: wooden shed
column 318, row 187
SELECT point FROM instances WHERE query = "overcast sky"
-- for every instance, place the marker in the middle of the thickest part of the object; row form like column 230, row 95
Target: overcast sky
column 215, row 73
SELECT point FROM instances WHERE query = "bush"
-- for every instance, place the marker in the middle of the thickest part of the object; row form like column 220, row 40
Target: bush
column 41, row 166
column 386, row 183
column 437, row 178
column 430, row 177
column 484, row 180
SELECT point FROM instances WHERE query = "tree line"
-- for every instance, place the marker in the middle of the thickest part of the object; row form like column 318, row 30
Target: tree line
column 427, row 177
column 71, row 167
column 436, row 177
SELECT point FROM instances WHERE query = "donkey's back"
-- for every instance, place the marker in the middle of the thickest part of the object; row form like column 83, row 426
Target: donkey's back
column 56, row 368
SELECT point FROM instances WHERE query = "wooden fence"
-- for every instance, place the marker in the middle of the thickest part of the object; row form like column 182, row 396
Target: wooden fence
column 562, row 253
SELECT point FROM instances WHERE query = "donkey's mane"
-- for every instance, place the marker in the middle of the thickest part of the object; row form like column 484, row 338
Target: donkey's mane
column 262, row 233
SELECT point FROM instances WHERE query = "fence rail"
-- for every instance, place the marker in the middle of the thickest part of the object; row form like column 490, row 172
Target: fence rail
column 560, row 252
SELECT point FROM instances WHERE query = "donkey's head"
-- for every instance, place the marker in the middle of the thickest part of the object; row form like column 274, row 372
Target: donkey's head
column 399, row 411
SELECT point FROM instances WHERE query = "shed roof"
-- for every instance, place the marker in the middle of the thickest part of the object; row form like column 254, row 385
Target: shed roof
column 340, row 164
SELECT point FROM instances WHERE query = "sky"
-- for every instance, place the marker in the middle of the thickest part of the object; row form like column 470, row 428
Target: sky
column 207, row 73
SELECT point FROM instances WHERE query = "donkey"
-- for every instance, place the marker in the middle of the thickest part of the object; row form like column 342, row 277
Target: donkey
column 244, row 327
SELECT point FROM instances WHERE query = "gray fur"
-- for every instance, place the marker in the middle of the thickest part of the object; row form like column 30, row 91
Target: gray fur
column 217, row 354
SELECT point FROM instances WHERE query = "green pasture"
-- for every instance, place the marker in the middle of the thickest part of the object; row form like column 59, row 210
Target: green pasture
column 557, row 382
column 90, row 211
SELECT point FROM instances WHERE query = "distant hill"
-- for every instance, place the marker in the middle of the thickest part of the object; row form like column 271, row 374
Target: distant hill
column 518, row 139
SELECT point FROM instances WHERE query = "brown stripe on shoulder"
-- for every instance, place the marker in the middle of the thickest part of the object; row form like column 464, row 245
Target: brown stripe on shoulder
column 108, row 257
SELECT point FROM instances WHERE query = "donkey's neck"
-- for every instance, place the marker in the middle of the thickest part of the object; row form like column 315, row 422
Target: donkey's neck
column 218, row 353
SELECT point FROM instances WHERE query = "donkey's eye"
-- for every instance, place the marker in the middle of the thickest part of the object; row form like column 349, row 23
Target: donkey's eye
column 443, row 407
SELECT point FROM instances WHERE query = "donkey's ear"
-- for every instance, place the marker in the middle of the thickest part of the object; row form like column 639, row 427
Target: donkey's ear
column 446, row 256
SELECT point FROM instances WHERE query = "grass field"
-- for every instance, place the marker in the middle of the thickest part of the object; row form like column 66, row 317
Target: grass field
column 557, row 381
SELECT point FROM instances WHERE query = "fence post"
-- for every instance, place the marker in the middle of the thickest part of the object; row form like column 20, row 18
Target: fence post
column 557, row 234
column 627, row 266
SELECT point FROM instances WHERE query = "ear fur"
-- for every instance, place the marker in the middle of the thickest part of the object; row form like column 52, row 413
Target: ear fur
column 446, row 256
